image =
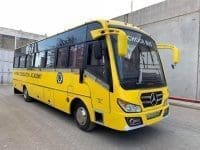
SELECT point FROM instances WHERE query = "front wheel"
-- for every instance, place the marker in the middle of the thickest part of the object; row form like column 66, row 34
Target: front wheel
column 82, row 118
column 27, row 98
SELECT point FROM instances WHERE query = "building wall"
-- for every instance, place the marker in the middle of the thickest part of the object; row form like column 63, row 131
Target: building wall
column 9, row 40
column 176, row 22
column 6, row 63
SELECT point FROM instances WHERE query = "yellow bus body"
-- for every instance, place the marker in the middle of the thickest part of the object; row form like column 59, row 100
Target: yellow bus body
column 42, row 85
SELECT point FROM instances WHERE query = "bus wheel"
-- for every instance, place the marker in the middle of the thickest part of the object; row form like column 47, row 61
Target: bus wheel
column 27, row 98
column 82, row 118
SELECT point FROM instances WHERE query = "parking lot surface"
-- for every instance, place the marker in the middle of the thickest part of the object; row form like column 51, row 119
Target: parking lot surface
column 36, row 126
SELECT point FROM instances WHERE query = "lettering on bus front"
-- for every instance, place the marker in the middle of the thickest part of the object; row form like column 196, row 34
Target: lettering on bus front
column 27, row 74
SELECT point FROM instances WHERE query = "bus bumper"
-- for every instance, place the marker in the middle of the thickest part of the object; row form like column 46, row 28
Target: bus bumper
column 126, row 122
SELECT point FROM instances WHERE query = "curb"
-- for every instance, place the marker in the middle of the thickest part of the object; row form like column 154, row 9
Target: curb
column 185, row 104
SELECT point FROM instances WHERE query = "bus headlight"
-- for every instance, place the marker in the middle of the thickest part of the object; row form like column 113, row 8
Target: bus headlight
column 128, row 107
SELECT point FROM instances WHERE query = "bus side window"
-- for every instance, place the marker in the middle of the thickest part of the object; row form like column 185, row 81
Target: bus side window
column 16, row 61
column 50, row 58
column 62, row 57
column 22, row 61
column 29, row 60
column 40, row 60
column 95, row 65
column 76, row 56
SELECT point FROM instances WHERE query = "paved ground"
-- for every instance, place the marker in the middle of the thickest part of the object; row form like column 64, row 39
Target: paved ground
column 35, row 126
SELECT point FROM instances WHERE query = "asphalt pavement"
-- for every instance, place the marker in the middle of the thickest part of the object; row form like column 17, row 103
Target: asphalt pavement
column 36, row 126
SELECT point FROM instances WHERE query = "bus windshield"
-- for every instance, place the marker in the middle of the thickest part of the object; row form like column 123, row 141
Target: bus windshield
column 141, row 67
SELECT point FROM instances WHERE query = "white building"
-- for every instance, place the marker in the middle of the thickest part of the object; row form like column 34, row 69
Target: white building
column 9, row 40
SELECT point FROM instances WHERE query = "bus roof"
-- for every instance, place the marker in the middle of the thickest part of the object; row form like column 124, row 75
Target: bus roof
column 109, row 22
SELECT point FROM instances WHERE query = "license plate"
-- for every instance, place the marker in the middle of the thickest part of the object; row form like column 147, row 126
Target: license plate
column 153, row 115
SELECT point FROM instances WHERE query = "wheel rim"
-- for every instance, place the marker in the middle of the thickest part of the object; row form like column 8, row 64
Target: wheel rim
column 81, row 115
column 25, row 93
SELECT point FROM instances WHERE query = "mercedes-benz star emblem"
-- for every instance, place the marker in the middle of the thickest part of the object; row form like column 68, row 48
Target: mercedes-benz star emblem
column 153, row 99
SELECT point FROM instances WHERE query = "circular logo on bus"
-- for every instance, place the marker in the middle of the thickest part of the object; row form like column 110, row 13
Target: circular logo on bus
column 59, row 78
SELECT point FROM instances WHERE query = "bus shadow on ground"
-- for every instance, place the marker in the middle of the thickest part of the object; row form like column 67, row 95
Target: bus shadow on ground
column 140, row 138
column 43, row 107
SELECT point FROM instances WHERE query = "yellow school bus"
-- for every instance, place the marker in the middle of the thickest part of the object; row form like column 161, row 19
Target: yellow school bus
column 102, row 72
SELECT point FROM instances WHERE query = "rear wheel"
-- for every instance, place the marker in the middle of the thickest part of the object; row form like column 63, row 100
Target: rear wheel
column 82, row 118
column 27, row 98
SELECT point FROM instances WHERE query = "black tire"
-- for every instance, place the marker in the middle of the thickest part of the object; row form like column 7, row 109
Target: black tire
column 82, row 118
column 26, row 96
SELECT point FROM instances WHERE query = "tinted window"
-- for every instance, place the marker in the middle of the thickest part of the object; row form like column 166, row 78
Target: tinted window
column 29, row 60
column 91, row 27
column 16, row 62
column 76, row 56
column 22, row 61
column 71, row 37
column 30, row 49
column 50, row 59
column 91, row 55
column 40, row 60
column 62, row 57
column 47, row 44
column 98, row 67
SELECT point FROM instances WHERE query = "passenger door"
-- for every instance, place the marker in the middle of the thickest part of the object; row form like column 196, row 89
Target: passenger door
column 97, row 75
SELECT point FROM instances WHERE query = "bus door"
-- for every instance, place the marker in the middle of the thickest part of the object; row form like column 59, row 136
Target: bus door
column 97, row 75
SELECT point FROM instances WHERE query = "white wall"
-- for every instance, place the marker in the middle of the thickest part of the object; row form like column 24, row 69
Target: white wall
column 176, row 22
column 6, row 65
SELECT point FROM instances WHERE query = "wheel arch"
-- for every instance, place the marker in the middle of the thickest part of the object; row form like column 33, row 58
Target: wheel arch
column 23, row 87
column 74, row 103
column 85, row 101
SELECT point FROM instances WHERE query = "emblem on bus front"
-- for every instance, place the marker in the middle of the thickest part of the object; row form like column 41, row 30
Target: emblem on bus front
column 153, row 99
column 59, row 78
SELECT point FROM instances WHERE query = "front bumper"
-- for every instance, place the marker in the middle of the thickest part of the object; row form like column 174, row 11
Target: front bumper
column 119, row 121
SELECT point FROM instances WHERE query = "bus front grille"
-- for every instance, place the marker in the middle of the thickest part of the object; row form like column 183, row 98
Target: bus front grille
column 151, row 99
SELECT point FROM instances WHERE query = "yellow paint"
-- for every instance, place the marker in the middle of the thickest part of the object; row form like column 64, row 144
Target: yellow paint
column 174, row 49
column 42, row 85
column 121, row 36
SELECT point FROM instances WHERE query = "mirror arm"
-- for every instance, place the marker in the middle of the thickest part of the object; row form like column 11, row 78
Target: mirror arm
column 105, row 31
column 121, row 35
column 174, row 49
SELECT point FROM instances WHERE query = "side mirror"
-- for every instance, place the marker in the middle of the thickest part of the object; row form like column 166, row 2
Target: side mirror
column 97, row 47
column 122, row 43
column 174, row 49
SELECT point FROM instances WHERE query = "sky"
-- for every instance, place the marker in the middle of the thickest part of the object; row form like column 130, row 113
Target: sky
column 54, row 16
